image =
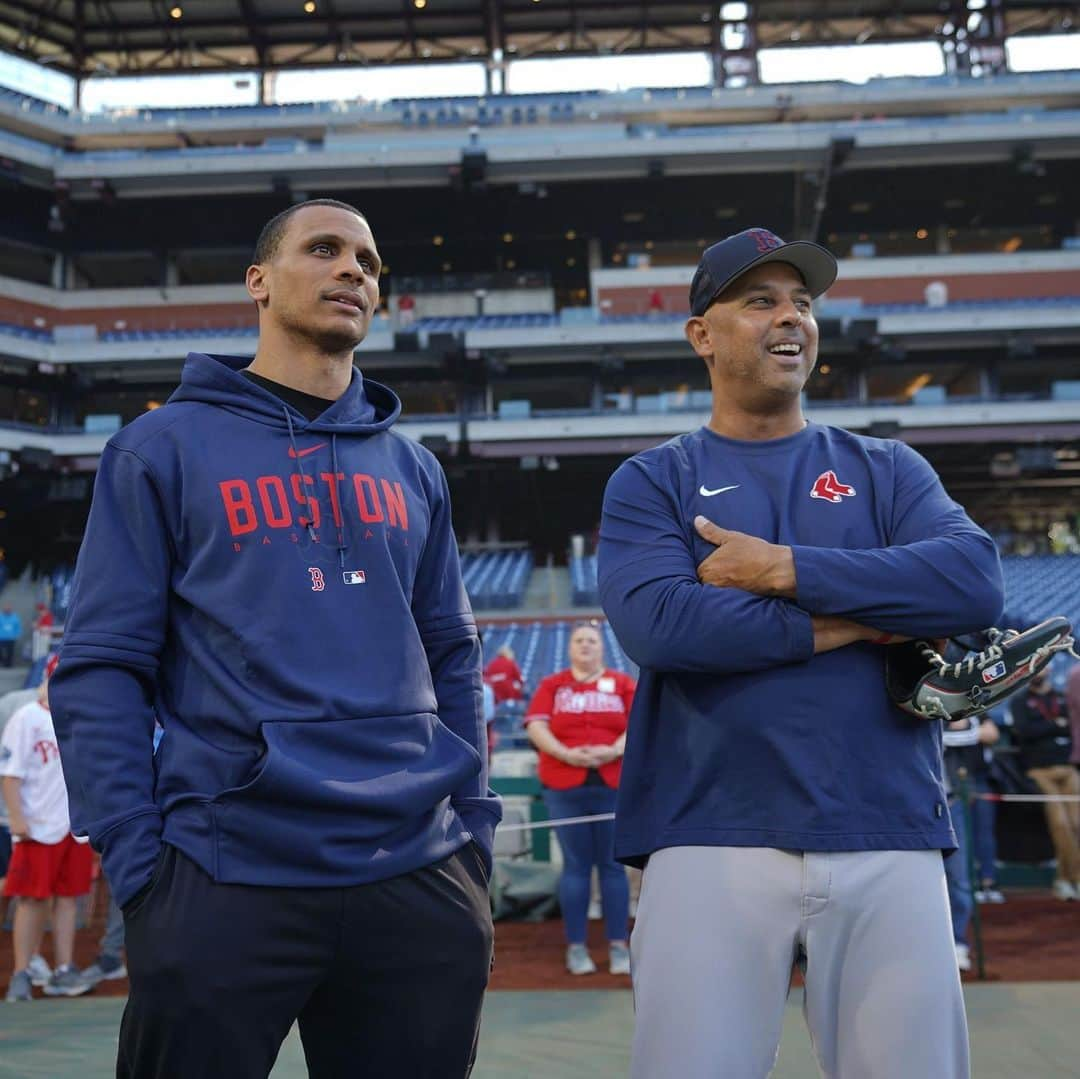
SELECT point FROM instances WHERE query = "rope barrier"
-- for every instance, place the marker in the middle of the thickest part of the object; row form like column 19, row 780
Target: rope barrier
column 1028, row 797
column 528, row 826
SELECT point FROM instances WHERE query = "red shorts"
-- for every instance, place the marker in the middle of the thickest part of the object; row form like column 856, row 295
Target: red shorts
column 45, row 870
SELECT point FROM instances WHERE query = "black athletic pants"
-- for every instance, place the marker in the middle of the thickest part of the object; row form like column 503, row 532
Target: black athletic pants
column 386, row 980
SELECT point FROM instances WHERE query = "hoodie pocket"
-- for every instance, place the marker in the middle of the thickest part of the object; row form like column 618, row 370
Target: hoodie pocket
column 330, row 795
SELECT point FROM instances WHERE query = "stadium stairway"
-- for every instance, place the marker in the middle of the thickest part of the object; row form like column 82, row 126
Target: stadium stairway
column 548, row 593
column 21, row 593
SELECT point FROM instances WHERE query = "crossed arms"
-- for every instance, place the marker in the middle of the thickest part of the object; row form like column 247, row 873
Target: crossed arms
column 769, row 604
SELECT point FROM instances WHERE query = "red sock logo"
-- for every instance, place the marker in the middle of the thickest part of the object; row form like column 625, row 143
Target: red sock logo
column 829, row 488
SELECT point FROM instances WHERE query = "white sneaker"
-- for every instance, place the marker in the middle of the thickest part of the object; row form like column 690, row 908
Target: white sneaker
column 1063, row 889
column 989, row 894
column 40, row 972
column 963, row 956
column 619, row 959
column 578, row 960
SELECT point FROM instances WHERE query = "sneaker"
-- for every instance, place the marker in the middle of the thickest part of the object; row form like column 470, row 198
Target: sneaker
column 19, row 988
column 619, row 959
column 578, row 960
column 963, row 957
column 989, row 894
column 596, row 912
column 1063, row 889
column 40, row 972
column 104, row 968
column 67, row 982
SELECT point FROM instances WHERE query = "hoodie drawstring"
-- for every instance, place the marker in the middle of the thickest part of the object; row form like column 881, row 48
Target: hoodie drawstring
column 341, row 515
column 305, row 520
column 342, row 544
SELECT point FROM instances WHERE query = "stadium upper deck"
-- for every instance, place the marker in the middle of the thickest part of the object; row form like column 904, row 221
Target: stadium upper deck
column 540, row 137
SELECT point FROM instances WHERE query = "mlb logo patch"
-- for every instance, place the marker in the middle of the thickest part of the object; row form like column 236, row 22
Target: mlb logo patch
column 994, row 672
column 353, row 576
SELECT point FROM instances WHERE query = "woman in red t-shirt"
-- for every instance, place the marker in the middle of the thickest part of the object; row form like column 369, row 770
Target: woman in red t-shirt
column 577, row 722
column 504, row 676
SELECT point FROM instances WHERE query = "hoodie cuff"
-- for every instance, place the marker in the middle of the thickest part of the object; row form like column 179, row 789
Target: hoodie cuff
column 480, row 818
column 129, row 853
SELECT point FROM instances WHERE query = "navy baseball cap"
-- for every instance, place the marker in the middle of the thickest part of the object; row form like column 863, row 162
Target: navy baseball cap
column 733, row 256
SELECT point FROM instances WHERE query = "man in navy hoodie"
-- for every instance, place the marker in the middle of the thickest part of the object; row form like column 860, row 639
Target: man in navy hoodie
column 270, row 570
column 784, row 809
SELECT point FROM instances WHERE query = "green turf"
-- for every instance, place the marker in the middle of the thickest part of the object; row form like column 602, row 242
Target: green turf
column 1017, row 1030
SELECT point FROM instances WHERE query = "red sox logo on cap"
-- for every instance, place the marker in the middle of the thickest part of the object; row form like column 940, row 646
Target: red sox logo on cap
column 829, row 488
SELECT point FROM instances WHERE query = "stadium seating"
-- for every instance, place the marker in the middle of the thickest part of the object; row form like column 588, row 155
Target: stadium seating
column 497, row 580
column 583, row 587
column 1038, row 587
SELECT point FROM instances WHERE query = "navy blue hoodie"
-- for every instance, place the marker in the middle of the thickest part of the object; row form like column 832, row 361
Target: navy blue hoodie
column 739, row 734
column 285, row 596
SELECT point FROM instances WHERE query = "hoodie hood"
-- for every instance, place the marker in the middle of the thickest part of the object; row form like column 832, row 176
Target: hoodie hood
column 365, row 408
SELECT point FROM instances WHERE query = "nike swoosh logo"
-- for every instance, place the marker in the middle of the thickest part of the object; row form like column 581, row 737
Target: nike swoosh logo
column 304, row 453
column 703, row 490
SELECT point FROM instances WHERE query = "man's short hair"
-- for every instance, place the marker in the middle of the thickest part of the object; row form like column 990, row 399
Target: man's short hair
column 270, row 238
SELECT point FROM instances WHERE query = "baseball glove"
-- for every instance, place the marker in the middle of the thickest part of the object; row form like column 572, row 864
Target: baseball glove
column 922, row 682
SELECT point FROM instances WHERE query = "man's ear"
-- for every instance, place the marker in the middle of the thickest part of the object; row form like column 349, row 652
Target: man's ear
column 699, row 334
column 257, row 280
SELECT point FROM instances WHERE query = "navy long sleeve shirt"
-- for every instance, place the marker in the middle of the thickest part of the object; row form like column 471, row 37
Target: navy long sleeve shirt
column 739, row 734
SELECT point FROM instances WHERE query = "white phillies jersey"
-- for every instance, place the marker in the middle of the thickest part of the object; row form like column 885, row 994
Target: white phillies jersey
column 29, row 752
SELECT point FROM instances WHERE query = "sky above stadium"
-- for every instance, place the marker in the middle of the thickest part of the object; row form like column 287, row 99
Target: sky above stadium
column 856, row 64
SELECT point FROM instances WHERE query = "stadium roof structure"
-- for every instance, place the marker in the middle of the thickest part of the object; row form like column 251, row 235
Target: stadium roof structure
column 141, row 37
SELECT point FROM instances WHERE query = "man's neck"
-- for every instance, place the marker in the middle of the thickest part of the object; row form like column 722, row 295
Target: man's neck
column 755, row 427
column 301, row 367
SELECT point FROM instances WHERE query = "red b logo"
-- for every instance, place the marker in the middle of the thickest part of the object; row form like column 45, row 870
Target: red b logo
column 318, row 583
column 766, row 241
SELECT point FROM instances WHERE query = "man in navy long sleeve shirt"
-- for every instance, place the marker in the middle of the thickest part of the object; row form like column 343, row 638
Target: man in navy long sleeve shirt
column 755, row 569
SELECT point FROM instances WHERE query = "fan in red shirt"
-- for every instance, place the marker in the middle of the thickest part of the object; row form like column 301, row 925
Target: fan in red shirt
column 577, row 722
column 504, row 676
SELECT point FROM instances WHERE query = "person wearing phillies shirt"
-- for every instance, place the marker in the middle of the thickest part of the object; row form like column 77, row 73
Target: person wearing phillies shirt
column 49, row 867
column 504, row 676
column 577, row 722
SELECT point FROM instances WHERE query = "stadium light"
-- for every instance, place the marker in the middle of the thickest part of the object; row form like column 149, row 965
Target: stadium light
column 309, row 7
column 176, row 12
column 419, row 4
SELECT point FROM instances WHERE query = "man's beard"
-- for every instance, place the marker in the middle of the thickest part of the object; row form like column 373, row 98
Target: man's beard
column 330, row 342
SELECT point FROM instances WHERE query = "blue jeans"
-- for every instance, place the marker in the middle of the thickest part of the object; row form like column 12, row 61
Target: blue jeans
column 984, row 840
column 956, row 876
column 584, row 846
column 112, row 943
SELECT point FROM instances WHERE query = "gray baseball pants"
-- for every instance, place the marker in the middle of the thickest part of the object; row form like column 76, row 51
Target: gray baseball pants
column 717, row 932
